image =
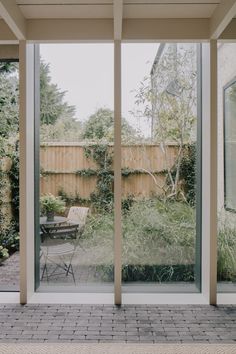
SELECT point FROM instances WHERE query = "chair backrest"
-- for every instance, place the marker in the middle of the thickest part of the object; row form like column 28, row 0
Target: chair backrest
column 78, row 214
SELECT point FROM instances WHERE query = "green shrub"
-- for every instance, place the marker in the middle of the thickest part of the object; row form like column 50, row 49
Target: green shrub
column 103, row 197
column 226, row 264
column 149, row 273
column 3, row 253
column 188, row 173
column 9, row 239
column 127, row 203
column 14, row 175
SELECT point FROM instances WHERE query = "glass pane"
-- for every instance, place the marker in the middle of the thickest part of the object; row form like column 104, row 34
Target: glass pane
column 9, row 176
column 226, row 168
column 76, row 172
column 160, row 162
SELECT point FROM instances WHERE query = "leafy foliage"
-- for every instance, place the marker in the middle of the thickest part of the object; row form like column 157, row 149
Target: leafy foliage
column 188, row 173
column 100, row 126
column 168, row 100
column 103, row 197
column 9, row 229
column 14, row 175
column 63, row 129
column 158, row 241
column 226, row 265
column 9, row 100
column 3, row 253
column 52, row 105
column 49, row 202
column 8, row 67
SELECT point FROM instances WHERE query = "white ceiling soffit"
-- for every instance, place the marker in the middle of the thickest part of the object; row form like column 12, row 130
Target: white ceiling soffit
column 63, row 2
column 87, row 2
column 169, row 11
column 131, row 10
column 67, row 11
column 171, row 2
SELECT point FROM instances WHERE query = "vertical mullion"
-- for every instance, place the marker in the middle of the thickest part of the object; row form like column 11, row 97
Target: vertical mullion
column 22, row 177
column 26, row 74
column 37, row 160
column 117, row 171
column 213, row 173
column 198, row 245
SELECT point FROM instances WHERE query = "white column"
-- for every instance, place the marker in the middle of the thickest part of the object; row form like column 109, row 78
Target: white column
column 213, row 173
column 117, row 172
column 26, row 69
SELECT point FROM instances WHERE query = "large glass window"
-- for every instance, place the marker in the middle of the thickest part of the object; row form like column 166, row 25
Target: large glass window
column 230, row 145
column 226, row 167
column 75, row 236
column 161, row 167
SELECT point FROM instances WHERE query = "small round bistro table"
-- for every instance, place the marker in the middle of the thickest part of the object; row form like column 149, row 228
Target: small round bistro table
column 56, row 221
column 44, row 223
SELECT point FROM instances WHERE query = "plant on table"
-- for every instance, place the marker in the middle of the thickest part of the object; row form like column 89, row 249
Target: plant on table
column 51, row 205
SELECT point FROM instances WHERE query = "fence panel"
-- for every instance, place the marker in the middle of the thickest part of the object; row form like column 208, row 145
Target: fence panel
column 59, row 163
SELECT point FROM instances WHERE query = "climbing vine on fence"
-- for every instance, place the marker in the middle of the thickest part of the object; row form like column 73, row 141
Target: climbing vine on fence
column 102, row 154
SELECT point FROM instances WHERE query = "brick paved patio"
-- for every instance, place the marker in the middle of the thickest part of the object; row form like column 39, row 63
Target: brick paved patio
column 10, row 273
column 96, row 323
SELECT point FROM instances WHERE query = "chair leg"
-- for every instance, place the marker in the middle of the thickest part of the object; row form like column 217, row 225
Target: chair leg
column 44, row 268
column 72, row 272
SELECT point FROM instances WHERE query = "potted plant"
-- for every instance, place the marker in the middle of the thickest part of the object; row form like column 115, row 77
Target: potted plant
column 51, row 205
column 3, row 254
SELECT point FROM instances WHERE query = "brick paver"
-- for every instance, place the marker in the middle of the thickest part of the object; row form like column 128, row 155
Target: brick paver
column 105, row 323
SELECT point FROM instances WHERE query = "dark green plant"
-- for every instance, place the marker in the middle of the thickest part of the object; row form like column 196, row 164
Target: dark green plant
column 9, row 235
column 89, row 172
column 100, row 126
column 226, row 264
column 9, row 239
column 50, row 203
column 52, row 104
column 188, row 173
column 73, row 200
column 102, row 154
column 127, row 203
column 149, row 273
column 14, row 175
column 3, row 253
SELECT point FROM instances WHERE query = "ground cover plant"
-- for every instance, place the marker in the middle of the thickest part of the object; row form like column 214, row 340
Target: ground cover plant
column 158, row 241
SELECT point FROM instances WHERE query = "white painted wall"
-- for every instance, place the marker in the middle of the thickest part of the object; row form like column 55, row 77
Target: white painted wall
column 226, row 72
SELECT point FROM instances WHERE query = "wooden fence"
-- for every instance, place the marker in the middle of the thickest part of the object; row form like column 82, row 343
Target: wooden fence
column 59, row 163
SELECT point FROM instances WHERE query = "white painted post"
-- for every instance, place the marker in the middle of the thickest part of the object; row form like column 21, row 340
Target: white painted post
column 213, row 173
column 117, row 173
column 26, row 69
